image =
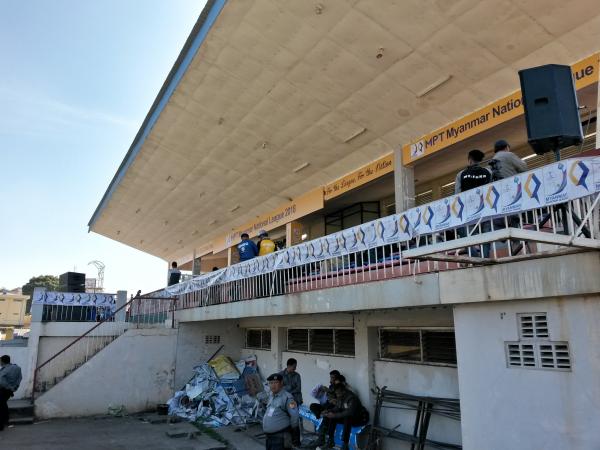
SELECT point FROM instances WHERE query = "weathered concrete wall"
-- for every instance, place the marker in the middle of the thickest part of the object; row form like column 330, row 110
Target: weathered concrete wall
column 137, row 370
column 529, row 409
column 418, row 379
column 19, row 354
column 192, row 349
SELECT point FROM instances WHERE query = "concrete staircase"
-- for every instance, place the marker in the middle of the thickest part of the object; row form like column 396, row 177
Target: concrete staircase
column 21, row 412
column 45, row 385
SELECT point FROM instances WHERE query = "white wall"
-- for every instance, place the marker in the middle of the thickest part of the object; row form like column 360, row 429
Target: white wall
column 137, row 370
column 525, row 409
column 192, row 350
column 19, row 355
column 418, row 379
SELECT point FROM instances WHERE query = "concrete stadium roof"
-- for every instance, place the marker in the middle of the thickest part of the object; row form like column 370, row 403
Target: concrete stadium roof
column 261, row 88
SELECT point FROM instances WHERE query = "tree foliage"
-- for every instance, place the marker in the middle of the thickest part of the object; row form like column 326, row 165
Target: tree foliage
column 50, row 282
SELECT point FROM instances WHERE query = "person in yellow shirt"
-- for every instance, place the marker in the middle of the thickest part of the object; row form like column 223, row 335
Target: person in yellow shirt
column 265, row 245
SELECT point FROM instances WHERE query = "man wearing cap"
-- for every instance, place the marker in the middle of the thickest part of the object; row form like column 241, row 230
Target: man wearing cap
column 281, row 419
column 505, row 163
column 264, row 244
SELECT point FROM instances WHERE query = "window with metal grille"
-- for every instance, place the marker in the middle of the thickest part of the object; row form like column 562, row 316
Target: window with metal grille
column 297, row 339
column 418, row 345
column 344, row 342
column 329, row 341
column 258, row 338
column 321, row 341
column 438, row 346
column 424, row 197
column 534, row 349
column 212, row 339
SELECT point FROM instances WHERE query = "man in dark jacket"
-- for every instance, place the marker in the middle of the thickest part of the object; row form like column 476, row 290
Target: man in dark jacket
column 348, row 411
column 10, row 379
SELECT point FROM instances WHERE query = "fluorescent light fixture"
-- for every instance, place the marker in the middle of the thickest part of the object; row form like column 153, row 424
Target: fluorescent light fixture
column 529, row 157
column 212, row 222
column 301, row 167
column 235, row 208
column 354, row 135
column 434, row 86
column 304, row 236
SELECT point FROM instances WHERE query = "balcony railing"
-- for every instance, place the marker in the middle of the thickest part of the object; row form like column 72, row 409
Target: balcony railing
column 548, row 211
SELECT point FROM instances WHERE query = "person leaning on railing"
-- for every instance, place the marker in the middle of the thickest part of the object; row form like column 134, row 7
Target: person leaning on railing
column 506, row 164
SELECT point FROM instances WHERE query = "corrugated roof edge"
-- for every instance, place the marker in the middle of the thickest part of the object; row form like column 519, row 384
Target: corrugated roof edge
column 199, row 32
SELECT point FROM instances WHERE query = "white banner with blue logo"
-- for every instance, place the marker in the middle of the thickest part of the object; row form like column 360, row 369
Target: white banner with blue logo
column 549, row 185
column 75, row 299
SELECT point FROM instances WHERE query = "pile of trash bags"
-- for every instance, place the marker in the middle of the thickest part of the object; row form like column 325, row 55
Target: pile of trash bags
column 222, row 393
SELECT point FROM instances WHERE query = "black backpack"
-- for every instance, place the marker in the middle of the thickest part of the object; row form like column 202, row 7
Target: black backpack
column 474, row 176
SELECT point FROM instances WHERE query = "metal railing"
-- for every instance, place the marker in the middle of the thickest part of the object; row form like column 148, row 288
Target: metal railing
column 558, row 229
column 138, row 312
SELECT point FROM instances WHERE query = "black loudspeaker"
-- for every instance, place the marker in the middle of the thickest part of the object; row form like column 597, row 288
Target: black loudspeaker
column 551, row 109
column 72, row 282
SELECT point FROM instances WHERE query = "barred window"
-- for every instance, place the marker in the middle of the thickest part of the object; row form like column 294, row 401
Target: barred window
column 258, row 338
column 418, row 345
column 329, row 341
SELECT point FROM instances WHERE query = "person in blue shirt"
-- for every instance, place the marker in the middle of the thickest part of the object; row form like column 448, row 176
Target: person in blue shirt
column 247, row 249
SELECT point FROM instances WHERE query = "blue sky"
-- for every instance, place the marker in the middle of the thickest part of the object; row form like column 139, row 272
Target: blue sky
column 76, row 81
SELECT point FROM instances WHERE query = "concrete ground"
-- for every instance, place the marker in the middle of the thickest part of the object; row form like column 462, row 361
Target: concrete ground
column 107, row 433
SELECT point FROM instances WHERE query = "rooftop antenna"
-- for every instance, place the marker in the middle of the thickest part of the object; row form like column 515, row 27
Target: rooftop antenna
column 99, row 265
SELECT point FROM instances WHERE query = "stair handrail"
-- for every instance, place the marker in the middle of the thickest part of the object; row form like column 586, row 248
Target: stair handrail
column 111, row 318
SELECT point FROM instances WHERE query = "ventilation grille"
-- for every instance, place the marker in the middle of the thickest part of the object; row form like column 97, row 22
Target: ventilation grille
column 534, row 349
column 212, row 339
column 520, row 355
column 533, row 326
column 555, row 355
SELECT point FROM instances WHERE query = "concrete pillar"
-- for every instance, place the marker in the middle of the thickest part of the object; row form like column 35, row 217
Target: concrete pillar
column 278, row 345
column 229, row 256
column 597, row 131
column 404, row 183
column 293, row 233
column 121, row 300
column 366, row 343
column 36, row 308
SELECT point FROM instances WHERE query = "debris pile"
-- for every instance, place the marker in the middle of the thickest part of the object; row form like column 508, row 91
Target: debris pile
column 222, row 393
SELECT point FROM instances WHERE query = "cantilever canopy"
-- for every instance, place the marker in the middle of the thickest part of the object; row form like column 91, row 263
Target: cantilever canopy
column 263, row 88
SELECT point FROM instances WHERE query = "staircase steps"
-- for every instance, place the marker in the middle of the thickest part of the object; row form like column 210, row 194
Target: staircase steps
column 21, row 412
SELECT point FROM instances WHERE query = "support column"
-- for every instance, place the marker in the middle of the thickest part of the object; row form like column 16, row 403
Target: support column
column 293, row 233
column 121, row 300
column 278, row 346
column 366, row 346
column 404, row 183
column 229, row 255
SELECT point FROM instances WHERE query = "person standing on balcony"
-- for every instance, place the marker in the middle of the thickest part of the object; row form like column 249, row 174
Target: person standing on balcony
column 473, row 177
column 174, row 274
column 247, row 249
column 505, row 164
column 292, row 382
column 281, row 420
column 264, row 244
column 10, row 379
